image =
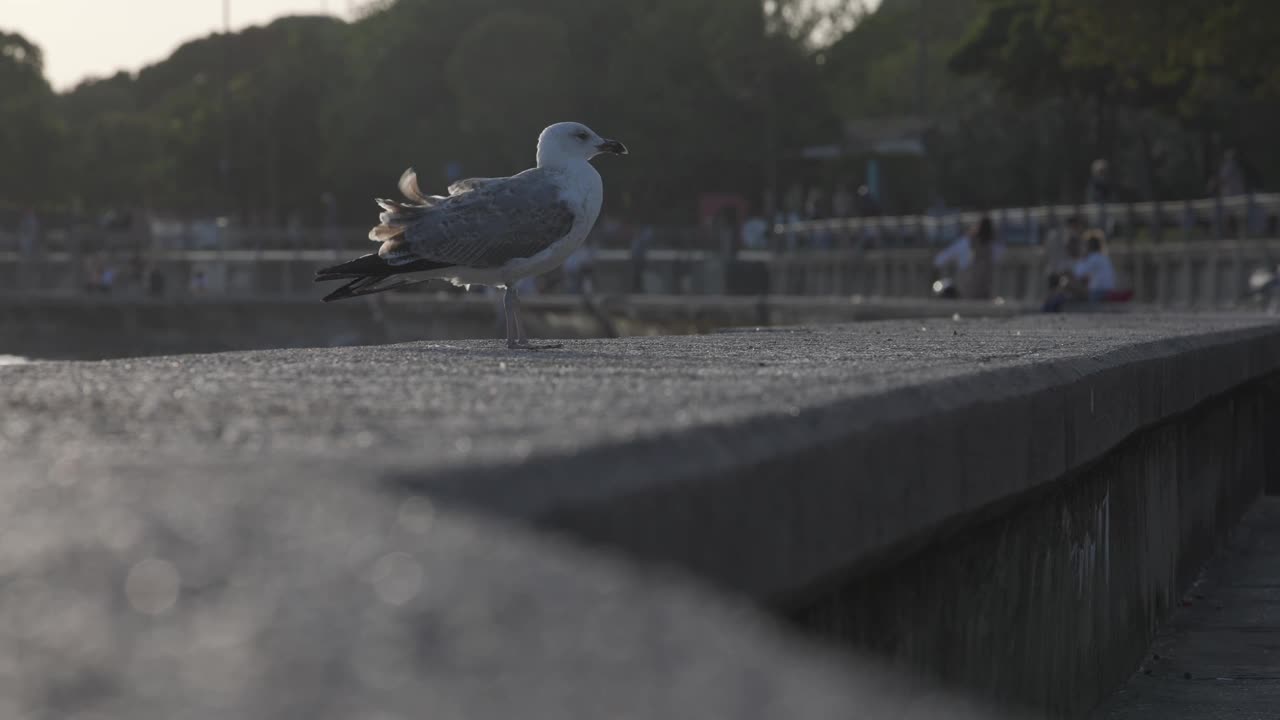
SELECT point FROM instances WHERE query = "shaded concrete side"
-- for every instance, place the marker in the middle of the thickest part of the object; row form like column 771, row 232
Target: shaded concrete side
column 1219, row 655
column 1052, row 605
column 774, row 505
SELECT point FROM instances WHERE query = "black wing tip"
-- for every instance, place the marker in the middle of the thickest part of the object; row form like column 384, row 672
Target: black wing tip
column 344, row 292
column 371, row 264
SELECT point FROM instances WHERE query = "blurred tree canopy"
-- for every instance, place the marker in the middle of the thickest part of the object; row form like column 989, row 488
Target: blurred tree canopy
column 1162, row 87
column 31, row 129
column 1017, row 97
column 262, row 122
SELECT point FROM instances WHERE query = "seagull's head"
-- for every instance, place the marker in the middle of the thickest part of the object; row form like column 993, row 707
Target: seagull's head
column 569, row 141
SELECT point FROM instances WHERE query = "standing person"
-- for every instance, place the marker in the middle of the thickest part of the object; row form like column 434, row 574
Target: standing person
column 791, row 212
column 1098, row 189
column 842, row 207
column 29, row 232
column 28, row 243
column 1229, row 180
column 867, row 204
column 815, row 208
column 973, row 255
column 641, row 240
column 977, row 283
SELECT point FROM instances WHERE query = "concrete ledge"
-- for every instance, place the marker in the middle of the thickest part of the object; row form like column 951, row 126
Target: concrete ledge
column 139, row 592
column 74, row 326
column 854, row 465
column 773, row 464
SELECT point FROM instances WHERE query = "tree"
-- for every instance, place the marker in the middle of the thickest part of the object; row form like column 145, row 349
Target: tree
column 505, row 98
column 30, row 129
column 309, row 105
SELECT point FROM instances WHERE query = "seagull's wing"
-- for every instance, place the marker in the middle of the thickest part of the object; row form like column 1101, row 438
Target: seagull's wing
column 464, row 186
column 499, row 220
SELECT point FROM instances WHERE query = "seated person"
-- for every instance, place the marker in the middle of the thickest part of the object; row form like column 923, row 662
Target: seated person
column 973, row 255
column 1093, row 278
column 1095, row 272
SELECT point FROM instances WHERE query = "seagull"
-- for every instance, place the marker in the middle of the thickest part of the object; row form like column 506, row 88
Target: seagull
column 487, row 231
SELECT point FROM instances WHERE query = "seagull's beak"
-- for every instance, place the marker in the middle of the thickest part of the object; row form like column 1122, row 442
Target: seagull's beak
column 612, row 146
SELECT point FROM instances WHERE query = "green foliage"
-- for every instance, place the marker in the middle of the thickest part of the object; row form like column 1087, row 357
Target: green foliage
column 1019, row 96
column 1126, row 68
column 875, row 70
column 504, row 74
column 309, row 105
column 30, row 128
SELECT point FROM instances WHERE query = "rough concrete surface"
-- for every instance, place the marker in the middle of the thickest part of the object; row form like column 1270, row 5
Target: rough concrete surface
column 243, row 535
column 80, row 327
column 1219, row 656
column 142, row 592
column 606, row 438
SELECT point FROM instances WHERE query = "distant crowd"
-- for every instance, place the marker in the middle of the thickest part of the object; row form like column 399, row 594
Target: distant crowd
column 1076, row 266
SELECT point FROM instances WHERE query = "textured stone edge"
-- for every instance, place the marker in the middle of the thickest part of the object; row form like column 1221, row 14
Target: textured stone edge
column 775, row 504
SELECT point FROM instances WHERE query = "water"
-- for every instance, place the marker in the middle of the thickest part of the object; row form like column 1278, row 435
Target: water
column 12, row 360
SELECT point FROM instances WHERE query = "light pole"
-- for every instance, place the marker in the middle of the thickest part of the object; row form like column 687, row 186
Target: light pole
column 224, row 163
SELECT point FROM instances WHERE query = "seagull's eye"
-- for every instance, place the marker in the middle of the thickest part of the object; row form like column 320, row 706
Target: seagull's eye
column 582, row 135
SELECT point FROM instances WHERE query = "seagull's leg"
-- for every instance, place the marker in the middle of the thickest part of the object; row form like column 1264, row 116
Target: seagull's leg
column 521, row 340
column 509, row 313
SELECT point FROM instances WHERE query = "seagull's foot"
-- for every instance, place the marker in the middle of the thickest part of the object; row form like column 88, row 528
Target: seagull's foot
column 525, row 345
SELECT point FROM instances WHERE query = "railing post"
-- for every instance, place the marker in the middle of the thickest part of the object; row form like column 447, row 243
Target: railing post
column 1217, row 217
column 1157, row 222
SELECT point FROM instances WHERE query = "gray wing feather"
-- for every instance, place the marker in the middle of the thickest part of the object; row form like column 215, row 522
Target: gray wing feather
column 464, row 186
column 499, row 220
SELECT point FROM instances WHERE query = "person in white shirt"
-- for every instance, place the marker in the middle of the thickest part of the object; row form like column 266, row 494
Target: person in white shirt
column 1093, row 277
column 973, row 255
column 959, row 253
column 1095, row 272
column 1062, row 251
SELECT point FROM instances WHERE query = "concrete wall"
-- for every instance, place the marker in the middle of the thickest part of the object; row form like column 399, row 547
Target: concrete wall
column 1007, row 505
column 1018, row 531
column 1054, row 602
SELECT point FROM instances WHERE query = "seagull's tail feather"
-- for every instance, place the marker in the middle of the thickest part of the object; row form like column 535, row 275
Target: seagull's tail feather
column 409, row 187
column 396, row 216
column 372, row 274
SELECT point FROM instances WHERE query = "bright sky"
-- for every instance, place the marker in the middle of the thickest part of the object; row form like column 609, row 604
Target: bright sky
column 83, row 38
column 95, row 38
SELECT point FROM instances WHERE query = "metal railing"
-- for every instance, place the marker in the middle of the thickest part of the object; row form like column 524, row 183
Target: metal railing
column 1239, row 217
column 1242, row 216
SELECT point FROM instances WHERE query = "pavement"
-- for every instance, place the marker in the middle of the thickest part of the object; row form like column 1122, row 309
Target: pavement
column 1219, row 655
column 170, row 593
column 452, row 529
column 572, row 437
column 440, row 406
